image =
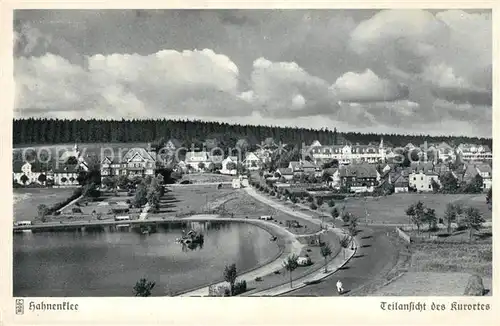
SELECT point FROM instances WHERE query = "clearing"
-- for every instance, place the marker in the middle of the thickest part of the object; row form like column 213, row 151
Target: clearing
column 391, row 209
column 26, row 200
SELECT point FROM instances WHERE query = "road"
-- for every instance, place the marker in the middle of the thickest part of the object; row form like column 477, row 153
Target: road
column 375, row 256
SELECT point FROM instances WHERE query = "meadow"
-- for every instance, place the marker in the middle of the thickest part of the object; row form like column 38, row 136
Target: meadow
column 391, row 209
column 26, row 200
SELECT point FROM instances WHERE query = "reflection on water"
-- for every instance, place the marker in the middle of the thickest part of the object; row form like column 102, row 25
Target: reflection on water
column 108, row 262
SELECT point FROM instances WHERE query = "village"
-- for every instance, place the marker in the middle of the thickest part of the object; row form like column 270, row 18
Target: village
column 372, row 168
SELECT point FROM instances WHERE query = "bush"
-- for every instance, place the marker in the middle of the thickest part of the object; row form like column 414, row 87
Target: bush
column 128, row 201
column 313, row 206
column 310, row 199
column 258, row 279
column 76, row 210
column 240, row 287
column 474, row 286
column 331, row 203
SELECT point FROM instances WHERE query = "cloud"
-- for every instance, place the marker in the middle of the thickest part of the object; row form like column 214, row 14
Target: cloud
column 367, row 87
column 449, row 51
column 163, row 83
column 286, row 89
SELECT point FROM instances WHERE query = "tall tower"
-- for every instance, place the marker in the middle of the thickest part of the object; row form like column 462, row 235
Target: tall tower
column 381, row 149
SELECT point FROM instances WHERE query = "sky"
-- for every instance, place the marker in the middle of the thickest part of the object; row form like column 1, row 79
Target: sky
column 384, row 71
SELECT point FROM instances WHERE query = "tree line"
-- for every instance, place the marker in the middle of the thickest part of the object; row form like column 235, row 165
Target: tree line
column 60, row 131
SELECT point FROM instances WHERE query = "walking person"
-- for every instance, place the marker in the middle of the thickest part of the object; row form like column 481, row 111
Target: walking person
column 340, row 289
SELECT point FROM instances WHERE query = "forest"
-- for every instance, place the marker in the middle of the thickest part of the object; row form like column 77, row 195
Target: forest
column 63, row 131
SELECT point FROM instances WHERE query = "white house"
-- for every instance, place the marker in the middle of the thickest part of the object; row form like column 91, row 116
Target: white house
column 422, row 181
column 349, row 154
column 31, row 172
column 252, row 162
column 472, row 152
column 195, row 159
column 230, row 160
column 236, row 183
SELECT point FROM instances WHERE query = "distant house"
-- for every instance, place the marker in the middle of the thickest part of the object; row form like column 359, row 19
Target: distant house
column 136, row 162
column 333, row 180
column 445, row 152
column 473, row 152
column 66, row 175
column 296, row 167
column 484, row 170
column 421, row 176
column 29, row 172
column 286, row 173
column 236, row 183
column 226, row 165
column 348, row 154
column 359, row 177
column 252, row 162
column 193, row 160
column 401, row 183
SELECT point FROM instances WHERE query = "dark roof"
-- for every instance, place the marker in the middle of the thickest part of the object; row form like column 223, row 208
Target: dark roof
column 285, row 171
column 359, row 171
column 401, row 181
column 65, row 168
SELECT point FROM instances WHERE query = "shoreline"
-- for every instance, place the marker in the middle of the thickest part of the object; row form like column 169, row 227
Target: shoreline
column 281, row 250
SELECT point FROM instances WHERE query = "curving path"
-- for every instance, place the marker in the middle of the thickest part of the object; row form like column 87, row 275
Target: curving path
column 374, row 257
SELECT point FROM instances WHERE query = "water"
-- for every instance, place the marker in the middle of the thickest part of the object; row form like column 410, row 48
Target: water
column 109, row 263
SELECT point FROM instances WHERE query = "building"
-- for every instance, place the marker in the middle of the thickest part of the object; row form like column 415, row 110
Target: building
column 348, row 154
column 230, row 165
column 286, row 173
column 484, row 170
column 401, row 183
column 25, row 173
column 196, row 160
column 359, row 177
column 472, row 152
column 136, row 162
column 445, row 152
column 333, row 180
column 421, row 180
column 252, row 162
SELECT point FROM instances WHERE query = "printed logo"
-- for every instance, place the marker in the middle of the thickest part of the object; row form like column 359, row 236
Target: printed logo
column 19, row 306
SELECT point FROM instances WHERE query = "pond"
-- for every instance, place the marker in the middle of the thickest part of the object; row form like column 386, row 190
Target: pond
column 108, row 262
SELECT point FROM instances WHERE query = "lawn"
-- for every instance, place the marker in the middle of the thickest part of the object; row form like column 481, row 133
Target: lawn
column 453, row 257
column 193, row 199
column 26, row 200
column 391, row 209
column 442, row 269
column 247, row 206
column 429, row 284
column 103, row 205
column 207, row 177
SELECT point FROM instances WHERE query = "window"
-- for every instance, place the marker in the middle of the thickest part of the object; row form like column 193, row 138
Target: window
column 421, row 178
column 414, row 178
column 429, row 186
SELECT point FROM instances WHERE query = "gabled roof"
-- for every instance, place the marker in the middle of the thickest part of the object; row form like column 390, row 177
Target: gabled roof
column 251, row 156
column 285, row 171
column 138, row 151
column 484, row 168
column 401, row 181
column 308, row 165
column 422, row 166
